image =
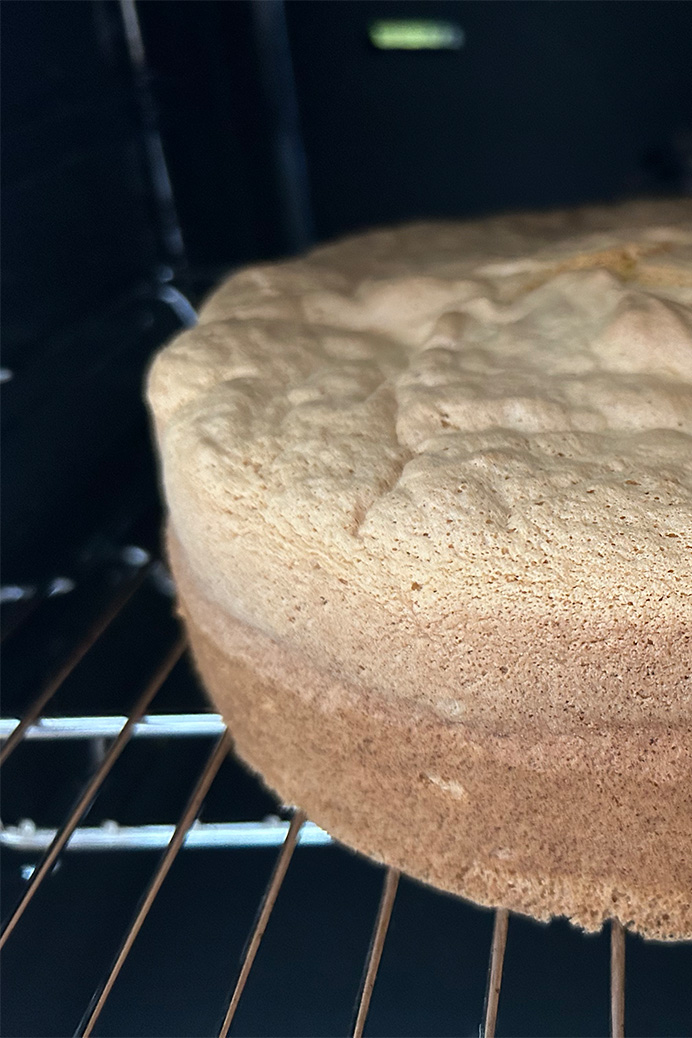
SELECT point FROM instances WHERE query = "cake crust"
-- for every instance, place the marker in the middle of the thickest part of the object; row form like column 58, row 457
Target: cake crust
column 590, row 828
column 430, row 512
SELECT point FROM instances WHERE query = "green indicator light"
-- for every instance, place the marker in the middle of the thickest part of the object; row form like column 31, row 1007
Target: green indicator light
column 421, row 34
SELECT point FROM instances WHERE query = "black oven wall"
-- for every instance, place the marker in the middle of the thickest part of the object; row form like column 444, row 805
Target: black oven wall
column 270, row 125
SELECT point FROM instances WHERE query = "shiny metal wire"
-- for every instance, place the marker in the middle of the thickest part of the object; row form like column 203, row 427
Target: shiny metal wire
column 384, row 914
column 36, row 708
column 497, row 958
column 137, row 723
column 190, row 813
column 617, row 979
column 91, row 789
column 268, row 902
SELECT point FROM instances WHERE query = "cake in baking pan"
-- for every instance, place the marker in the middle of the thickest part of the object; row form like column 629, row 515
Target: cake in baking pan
column 429, row 500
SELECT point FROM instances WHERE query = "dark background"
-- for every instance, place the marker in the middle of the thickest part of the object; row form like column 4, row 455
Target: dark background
column 280, row 124
column 252, row 129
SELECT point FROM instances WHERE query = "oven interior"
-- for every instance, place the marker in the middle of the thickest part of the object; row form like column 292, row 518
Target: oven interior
column 149, row 149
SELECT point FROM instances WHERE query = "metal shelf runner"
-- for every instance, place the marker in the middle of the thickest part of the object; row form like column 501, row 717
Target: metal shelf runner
column 190, row 832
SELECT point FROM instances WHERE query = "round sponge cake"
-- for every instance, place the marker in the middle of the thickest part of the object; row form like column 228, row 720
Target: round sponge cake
column 430, row 520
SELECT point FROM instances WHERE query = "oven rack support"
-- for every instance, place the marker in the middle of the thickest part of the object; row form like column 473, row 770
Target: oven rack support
column 154, row 726
column 110, row 836
column 110, row 735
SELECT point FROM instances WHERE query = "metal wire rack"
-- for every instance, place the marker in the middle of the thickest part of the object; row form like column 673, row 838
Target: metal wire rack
column 108, row 736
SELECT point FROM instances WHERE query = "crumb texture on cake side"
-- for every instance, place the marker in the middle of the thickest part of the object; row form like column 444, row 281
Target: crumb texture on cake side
column 448, row 468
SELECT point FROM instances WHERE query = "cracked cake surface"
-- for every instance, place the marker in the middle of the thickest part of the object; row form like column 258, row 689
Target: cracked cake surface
column 430, row 514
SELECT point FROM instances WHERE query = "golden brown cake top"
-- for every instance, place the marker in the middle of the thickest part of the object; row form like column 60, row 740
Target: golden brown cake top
column 447, row 413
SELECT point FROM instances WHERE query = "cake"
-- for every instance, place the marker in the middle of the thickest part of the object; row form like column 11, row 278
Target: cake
column 429, row 499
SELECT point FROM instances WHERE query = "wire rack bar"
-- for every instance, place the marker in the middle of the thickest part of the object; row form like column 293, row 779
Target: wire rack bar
column 86, row 797
column 497, row 958
column 119, row 600
column 109, row 836
column 384, row 914
column 268, row 902
column 155, row 726
column 190, row 813
column 617, row 979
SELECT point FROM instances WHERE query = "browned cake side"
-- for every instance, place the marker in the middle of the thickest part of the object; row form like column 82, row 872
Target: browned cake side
column 590, row 828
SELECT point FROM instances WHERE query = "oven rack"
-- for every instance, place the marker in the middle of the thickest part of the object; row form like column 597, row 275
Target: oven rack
column 108, row 736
